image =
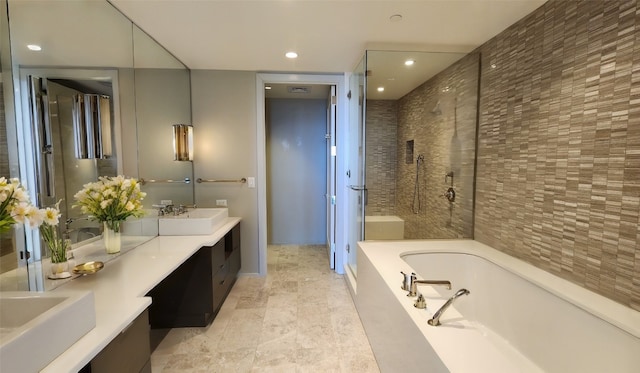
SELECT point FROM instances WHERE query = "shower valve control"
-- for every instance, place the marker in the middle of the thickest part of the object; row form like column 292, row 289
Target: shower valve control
column 450, row 195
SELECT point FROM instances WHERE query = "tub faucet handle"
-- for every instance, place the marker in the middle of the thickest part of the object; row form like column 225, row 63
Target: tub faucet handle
column 407, row 280
column 420, row 302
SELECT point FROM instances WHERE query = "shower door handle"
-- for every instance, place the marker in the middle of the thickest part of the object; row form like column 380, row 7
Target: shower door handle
column 364, row 197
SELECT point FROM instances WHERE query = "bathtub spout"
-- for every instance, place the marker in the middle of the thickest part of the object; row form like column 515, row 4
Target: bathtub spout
column 413, row 291
column 435, row 321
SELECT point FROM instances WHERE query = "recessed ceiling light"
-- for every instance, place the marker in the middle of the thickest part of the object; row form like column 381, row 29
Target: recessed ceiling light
column 409, row 62
column 396, row 18
column 267, row 87
column 34, row 47
column 380, row 89
column 291, row 55
column 493, row 65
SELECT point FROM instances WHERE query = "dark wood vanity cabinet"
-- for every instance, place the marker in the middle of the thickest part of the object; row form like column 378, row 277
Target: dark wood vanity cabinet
column 192, row 295
column 129, row 352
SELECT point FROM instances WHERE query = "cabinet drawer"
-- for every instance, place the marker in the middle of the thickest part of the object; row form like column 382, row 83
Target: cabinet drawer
column 129, row 352
column 234, row 262
column 217, row 256
column 221, row 285
column 233, row 238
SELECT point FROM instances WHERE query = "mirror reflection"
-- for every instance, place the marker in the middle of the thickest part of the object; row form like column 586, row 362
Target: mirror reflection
column 163, row 98
column 420, row 117
column 60, row 172
column 148, row 90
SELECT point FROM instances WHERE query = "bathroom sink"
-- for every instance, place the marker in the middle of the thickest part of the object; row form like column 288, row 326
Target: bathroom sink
column 198, row 221
column 37, row 327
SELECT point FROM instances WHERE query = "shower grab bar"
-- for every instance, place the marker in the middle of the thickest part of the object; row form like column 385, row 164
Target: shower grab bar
column 145, row 181
column 241, row 181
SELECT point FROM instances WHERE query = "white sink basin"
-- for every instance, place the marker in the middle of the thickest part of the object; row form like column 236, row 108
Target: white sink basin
column 198, row 221
column 37, row 327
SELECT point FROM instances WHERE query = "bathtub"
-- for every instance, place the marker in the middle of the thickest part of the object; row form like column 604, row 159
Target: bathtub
column 517, row 318
column 383, row 227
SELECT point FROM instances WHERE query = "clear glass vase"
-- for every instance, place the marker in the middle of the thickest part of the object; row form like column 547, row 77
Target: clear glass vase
column 111, row 237
column 60, row 270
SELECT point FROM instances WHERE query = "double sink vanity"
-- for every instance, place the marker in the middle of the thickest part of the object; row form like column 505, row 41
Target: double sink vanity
column 102, row 322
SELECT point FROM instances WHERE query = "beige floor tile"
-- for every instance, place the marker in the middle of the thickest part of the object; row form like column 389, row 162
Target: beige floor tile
column 237, row 361
column 275, row 361
column 300, row 318
column 317, row 360
column 315, row 336
column 284, row 300
column 275, row 316
column 277, row 338
column 359, row 362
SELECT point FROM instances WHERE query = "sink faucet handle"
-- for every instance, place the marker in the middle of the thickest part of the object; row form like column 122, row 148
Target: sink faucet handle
column 161, row 209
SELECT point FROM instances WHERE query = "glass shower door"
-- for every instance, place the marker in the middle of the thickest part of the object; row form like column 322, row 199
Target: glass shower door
column 356, row 172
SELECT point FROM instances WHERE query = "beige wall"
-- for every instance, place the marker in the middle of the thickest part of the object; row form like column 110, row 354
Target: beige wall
column 224, row 120
column 558, row 180
column 162, row 99
column 128, row 132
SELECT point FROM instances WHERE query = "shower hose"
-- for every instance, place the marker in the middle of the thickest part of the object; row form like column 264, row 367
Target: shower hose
column 416, row 191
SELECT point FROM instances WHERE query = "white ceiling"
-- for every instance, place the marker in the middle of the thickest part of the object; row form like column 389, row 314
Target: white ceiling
column 330, row 36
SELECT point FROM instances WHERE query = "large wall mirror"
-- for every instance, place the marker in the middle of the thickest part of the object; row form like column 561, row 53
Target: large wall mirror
column 421, row 118
column 52, row 68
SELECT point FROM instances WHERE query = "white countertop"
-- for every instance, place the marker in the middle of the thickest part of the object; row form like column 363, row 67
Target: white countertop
column 120, row 289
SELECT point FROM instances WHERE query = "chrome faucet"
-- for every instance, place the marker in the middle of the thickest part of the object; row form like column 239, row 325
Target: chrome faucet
column 69, row 221
column 435, row 321
column 163, row 209
column 413, row 289
column 407, row 280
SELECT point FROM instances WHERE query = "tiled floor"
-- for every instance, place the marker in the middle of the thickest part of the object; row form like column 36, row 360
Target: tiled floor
column 300, row 318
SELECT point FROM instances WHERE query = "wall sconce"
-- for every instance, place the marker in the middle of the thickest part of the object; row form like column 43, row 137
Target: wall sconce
column 183, row 142
column 92, row 126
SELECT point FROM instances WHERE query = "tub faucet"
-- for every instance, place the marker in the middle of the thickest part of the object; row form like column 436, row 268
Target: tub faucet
column 435, row 321
column 413, row 290
column 407, row 280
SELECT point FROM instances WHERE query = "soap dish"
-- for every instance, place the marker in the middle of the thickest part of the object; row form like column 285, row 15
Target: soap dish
column 88, row 268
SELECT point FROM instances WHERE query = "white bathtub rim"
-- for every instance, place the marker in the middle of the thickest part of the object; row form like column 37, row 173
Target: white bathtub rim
column 457, row 331
column 385, row 257
column 616, row 314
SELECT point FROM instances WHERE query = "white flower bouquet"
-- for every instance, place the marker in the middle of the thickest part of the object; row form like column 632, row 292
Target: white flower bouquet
column 111, row 200
column 15, row 206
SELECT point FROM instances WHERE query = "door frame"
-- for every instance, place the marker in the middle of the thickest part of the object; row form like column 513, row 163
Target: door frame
column 340, row 81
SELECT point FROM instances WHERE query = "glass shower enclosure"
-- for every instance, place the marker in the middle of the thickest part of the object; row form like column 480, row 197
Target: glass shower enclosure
column 413, row 120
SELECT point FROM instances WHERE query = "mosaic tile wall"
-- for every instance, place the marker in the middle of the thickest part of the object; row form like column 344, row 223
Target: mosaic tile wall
column 381, row 138
column 558, row 180
column 440, row 117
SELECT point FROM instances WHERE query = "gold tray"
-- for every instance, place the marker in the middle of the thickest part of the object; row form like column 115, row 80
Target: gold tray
column 88, row 268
